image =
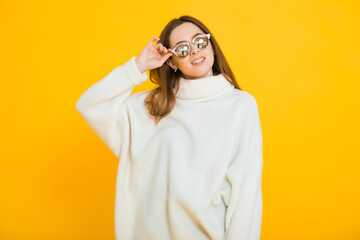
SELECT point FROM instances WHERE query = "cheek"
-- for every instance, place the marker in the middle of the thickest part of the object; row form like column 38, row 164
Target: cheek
column 182, row 63
column 210, row 56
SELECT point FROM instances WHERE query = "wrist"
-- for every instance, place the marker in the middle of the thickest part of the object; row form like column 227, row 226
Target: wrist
column 140, row 65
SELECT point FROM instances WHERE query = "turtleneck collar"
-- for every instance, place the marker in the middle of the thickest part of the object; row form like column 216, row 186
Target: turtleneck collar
column 202, row 88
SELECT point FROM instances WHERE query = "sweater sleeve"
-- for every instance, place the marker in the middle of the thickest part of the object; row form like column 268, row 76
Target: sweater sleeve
column 102, row 105
column 244, row 212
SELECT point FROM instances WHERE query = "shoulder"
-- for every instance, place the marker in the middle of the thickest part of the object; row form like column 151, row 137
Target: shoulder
column 245, row 98
column 141, row 94
column 245, row 105
column 136, row 100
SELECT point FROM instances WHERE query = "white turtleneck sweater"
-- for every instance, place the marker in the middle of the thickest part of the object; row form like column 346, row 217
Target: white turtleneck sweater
column 197, row 174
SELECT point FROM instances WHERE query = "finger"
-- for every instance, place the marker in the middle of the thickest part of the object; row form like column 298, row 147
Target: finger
column 152, row 40
column 166, row 56
column 161, row 48
column 157, row 46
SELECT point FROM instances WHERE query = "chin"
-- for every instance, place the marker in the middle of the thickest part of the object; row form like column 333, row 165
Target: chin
column 202, row 73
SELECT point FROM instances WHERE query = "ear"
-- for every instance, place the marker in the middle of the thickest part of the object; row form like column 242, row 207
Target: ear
column 170, row 64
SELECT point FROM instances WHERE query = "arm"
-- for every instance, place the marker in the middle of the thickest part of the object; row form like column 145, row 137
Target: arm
column 244, row 213
column 102, row 105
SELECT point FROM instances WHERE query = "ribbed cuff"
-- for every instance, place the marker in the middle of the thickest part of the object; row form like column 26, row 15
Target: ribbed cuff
column 134, row 73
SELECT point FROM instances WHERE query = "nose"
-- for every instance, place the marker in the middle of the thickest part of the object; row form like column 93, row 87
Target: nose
column 193, row 49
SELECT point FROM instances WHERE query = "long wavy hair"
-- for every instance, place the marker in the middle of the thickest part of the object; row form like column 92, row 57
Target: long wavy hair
column 161, row 100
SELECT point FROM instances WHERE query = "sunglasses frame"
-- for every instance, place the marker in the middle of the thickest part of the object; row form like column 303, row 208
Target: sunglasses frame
column 187, row 43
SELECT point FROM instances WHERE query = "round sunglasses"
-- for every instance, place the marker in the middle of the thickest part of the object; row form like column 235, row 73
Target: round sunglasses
column 183, row 49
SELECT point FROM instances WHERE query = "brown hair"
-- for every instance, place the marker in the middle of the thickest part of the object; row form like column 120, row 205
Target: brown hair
column 161, row 100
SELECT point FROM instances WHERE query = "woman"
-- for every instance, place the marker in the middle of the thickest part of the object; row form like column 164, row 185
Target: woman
column 190, row 150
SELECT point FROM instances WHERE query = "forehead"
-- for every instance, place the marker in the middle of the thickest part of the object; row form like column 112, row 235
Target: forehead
column 183, row 32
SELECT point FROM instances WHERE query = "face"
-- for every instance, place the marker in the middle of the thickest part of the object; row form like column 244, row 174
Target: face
column 186, row 32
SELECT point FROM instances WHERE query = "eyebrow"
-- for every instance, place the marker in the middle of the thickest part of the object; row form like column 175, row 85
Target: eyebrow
column 186, row 41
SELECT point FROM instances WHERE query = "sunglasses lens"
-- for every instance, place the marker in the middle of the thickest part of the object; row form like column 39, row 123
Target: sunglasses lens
column 201, row 41
column 182, row 50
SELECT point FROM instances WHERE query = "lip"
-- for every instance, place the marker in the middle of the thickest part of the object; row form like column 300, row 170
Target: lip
column 197, row 59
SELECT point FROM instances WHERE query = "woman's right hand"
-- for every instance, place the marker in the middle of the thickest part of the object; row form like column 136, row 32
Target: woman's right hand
column 152, row 56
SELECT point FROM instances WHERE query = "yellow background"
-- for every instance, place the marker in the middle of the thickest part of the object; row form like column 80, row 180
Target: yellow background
column 299, row 59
